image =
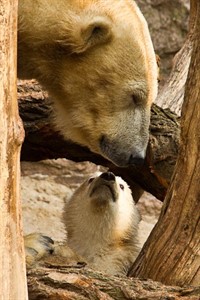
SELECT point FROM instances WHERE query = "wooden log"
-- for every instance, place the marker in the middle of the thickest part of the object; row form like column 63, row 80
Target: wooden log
column 59, row 283
column 12, row 258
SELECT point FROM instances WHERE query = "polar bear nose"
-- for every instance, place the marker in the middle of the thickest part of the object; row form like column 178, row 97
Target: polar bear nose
column 108, row 176
column 136, row 160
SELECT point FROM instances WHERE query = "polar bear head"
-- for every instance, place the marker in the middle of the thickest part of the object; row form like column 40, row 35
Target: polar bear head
column 96, row 59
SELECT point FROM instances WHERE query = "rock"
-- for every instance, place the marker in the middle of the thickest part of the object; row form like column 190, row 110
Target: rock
column 168, row 24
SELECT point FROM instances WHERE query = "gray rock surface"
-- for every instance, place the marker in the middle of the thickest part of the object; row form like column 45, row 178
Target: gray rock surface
column 168, row 24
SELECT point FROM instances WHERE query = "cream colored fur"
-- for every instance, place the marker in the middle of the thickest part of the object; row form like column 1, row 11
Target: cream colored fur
column 102, row 229
column 96, row 59
column 40, row 249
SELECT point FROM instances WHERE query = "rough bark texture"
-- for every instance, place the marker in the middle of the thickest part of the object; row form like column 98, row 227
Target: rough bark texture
column 172, row 94
column 12, row 258
column 172, row 253
column 83, row 284
column 42, row 141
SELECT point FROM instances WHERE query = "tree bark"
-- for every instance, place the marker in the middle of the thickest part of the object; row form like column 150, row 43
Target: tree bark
column 40, row 143
column 12, row 258
column 172, row 253
column 171, row 94
column 83, row 284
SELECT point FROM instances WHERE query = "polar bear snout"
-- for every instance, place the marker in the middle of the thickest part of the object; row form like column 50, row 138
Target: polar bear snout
column 136, row 160
column 121, row 155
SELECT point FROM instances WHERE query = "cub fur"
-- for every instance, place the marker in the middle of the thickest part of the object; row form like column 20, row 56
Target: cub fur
column 96, row 60
column 102, row 221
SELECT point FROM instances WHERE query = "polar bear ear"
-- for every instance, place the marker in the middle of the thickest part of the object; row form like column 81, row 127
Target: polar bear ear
column 90, row 33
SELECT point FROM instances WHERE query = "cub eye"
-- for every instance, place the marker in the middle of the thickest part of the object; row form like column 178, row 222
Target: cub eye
column 121, row 186
column 90, row 180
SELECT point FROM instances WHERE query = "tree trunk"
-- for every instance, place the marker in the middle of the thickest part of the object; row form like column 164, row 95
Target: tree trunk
column 60, row 283
column 12, row 258
column 172, row 253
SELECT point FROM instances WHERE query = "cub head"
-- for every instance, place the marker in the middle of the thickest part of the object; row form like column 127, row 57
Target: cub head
column 102, row 206
column 97, row 61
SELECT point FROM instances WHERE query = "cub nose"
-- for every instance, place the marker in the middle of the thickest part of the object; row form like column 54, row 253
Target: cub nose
column 108, row 176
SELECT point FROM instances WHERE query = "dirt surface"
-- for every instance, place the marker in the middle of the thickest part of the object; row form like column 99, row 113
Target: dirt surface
column 46, row 184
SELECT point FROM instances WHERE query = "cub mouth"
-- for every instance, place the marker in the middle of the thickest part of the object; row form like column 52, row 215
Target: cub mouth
column 104, row 191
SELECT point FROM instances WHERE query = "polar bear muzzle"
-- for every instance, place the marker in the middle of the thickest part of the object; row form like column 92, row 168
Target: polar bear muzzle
column 103, row 189
column 121, row 157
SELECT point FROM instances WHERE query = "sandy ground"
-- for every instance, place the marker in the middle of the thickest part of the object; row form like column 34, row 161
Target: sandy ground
column 45, row 185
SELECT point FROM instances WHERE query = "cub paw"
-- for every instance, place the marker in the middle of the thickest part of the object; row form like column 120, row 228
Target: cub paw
column 37, row 246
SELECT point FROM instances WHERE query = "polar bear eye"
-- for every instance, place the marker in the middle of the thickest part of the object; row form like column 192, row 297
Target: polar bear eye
column 121, row 186
column 136, row 99
column 97, row 30
column 91, row 179
column 139, row 96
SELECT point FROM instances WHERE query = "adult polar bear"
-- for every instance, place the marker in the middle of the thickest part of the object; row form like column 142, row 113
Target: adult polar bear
column 96, row 60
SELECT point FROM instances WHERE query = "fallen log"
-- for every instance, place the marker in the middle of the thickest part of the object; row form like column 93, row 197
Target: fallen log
column 56, row 282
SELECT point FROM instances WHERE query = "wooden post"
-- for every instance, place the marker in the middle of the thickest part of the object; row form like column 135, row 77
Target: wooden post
column 12, row 257
column 172, row 253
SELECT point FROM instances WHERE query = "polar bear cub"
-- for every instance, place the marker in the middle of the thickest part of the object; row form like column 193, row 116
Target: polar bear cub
column 101, row 222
